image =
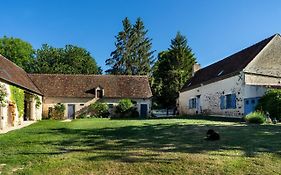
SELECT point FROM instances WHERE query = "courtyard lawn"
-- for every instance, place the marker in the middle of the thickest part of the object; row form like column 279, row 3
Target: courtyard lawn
column 166, row 146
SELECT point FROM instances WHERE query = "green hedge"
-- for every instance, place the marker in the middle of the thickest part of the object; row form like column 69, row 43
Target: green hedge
column 271, row 102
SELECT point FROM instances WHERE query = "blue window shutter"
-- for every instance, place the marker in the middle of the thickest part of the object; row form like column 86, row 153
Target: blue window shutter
column 233, row 101
column 222, row 105
column 189, row 104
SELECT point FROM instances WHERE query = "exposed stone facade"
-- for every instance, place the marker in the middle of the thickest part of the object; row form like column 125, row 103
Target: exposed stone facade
column 246, row 84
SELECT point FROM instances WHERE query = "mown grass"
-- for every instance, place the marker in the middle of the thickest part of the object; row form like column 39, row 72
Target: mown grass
column 168, row 146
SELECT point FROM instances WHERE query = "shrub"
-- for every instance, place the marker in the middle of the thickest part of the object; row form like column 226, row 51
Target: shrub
column 255, row 117
column 124, row 105
column 126, row 109
column 271, row 102
column 57, row 112
column 99, row 109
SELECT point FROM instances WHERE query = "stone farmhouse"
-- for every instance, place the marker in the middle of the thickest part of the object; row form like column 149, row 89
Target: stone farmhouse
column 14, row 81
column 233, row 85
column 79, row 91
column 30, row 96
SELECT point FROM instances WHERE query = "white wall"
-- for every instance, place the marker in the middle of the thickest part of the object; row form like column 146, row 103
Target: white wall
column 210, row 96
column 52, row 101
column 35, row 113
column 253, row 91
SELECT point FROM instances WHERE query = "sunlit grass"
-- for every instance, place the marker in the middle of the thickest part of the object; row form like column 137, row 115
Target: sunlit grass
column 168, row 146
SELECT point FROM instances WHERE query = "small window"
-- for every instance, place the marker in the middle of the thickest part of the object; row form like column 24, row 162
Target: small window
column 81, row 104
column 230, row 101
column 220, row 73
column 192, row 103
column 222, row 103
column 99, row 94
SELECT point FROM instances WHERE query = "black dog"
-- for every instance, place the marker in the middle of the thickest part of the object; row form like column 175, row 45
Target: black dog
column 212, row 135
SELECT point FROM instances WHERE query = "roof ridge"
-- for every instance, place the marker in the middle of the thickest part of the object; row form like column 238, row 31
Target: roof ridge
column 229, row 56
column 24, row 73
column 231, row 64
column 87, row 75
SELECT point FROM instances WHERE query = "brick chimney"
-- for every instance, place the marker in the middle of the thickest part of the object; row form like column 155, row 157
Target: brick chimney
column 196, row 67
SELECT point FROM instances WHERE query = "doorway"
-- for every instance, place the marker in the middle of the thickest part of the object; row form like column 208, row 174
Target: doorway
column 143, row 110
column 250, row 105
column 71, row 111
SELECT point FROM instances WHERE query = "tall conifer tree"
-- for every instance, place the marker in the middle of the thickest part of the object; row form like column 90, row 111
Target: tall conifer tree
column 133, row 55
column 172, row 69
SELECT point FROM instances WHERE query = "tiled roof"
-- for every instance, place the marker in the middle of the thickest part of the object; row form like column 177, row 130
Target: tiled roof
column 226, row 67
column 115, row 86
column 12, row 74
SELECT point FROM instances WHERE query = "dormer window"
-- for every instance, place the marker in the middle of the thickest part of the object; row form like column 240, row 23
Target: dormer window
column 220, row 73
column 99, row 93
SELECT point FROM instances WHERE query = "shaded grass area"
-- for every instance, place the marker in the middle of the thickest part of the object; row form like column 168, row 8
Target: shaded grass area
column 167, row 146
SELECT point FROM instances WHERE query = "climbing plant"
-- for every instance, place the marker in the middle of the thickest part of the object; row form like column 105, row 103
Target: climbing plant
column 37, row 101
column 17, row 96
column 3, row 95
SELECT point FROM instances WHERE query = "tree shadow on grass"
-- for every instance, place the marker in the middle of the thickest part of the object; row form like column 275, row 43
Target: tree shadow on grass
column 147, row 143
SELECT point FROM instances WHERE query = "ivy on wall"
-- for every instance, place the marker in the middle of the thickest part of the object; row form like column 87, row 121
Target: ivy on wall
column 37, row 101
column 17, row 96
column 3, row 95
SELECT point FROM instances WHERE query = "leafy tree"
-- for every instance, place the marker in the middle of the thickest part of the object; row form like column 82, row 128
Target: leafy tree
column 18, row 51
column 68, row 60
column 133, row 55
column 172, row 69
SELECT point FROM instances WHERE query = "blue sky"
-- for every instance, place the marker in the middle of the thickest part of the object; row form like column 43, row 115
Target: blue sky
column 215, row 29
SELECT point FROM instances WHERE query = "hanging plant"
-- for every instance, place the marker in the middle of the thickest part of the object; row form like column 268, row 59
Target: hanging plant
column 3, row 95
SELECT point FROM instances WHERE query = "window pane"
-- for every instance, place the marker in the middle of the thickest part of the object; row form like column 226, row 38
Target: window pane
column 228, row 101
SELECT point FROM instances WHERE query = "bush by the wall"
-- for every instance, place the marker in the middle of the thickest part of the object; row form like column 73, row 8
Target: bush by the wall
column 99, row 110
column 57, row 112
column 271, row 102
column 125, row 109
column 124, row 105
column 255, row 117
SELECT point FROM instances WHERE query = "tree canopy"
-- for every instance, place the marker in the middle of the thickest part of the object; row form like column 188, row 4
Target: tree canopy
column 133, row 54
column 18, row 51
column 68, row 60
column 172, row 69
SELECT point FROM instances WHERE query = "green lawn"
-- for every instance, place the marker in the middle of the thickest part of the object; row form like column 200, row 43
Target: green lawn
column 167, row 146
